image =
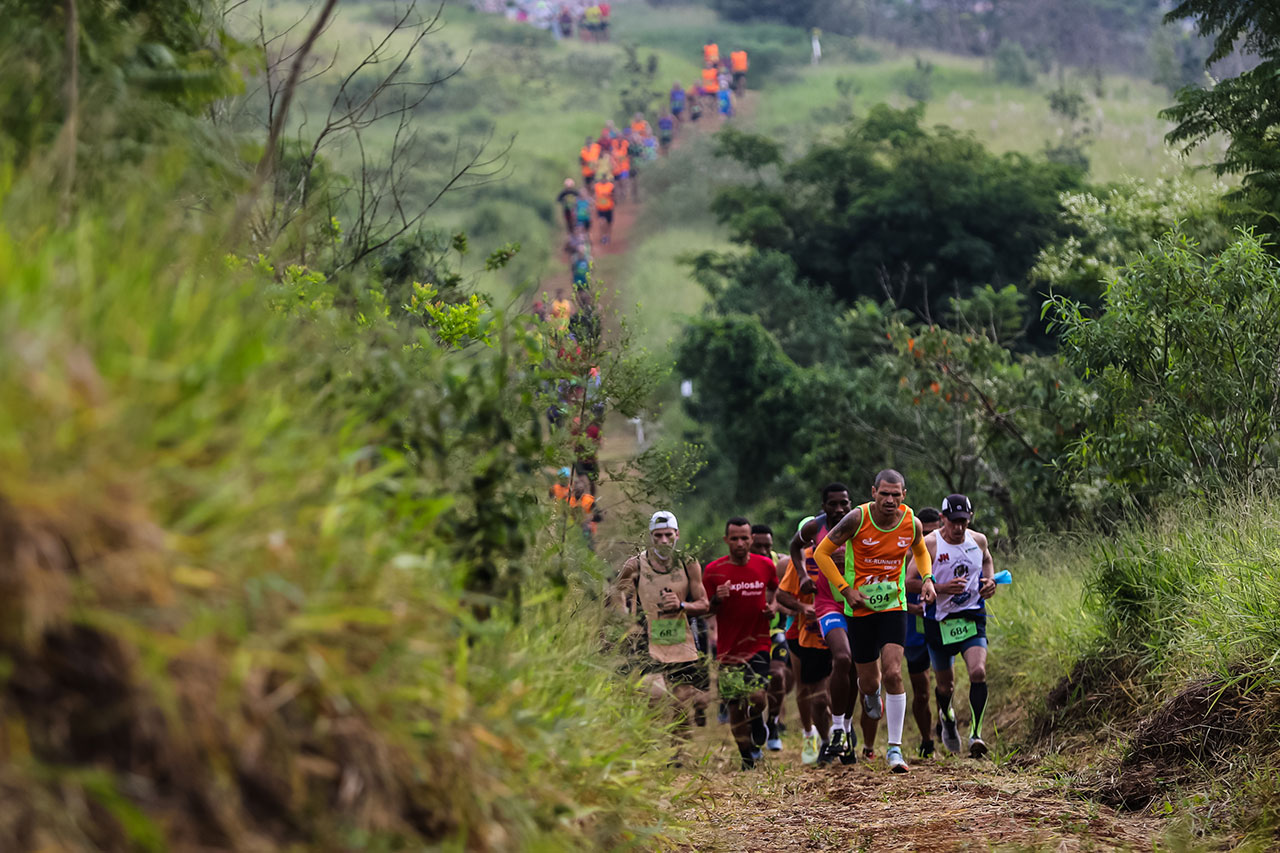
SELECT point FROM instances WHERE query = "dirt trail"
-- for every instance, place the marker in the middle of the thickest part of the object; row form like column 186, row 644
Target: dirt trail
column 609, row 271
column 943, row 804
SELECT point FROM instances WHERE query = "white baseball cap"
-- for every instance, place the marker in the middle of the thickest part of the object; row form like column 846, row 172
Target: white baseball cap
column 662, row 520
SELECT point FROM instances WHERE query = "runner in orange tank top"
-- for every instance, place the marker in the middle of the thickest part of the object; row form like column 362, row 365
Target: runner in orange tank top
column 880, row 535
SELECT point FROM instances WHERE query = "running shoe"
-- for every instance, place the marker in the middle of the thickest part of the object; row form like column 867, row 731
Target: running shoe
column 950, row 737
column 832, row 749
column 868, row 753
column 871, row 705
column 699, row 717
column 897, row 764
column 759, row 733
column 722, row 716
column 749, row 758
column 811, row 750
column 774, row 741
column 977, row 748
column 850, row 754
column 926, row 749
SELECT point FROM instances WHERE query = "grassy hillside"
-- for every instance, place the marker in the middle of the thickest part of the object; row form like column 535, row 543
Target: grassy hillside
column 542, row 97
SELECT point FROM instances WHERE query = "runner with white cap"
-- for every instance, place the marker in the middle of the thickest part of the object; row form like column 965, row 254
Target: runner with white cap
column 662, row 587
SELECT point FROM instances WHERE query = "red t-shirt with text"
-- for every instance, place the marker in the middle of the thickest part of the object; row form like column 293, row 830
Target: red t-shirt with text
column 742, row 622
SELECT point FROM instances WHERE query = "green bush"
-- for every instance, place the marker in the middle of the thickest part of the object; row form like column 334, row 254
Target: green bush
column 1182, row 364
column 1012, row 65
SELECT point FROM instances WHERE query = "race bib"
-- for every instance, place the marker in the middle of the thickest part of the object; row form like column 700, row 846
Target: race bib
column 957, row 630
column 882, row 595
column 667, row 632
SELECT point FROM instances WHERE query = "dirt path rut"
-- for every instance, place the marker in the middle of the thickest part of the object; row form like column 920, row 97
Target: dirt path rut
column 943, row 804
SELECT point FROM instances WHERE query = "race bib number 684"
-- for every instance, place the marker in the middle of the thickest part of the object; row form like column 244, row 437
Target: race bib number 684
column 957, row 630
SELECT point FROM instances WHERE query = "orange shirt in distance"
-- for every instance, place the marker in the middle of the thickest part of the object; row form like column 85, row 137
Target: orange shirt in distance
column 604, row 195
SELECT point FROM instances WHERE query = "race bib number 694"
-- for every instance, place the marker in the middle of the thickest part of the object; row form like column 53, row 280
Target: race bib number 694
column 881, row 595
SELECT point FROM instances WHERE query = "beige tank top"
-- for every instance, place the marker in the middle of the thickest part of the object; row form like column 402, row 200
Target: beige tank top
column 669, row 634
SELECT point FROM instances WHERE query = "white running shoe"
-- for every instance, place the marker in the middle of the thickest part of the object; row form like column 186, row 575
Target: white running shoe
column 812, row 749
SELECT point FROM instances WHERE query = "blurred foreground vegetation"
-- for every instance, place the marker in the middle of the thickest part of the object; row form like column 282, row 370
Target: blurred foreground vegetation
column 279, row 570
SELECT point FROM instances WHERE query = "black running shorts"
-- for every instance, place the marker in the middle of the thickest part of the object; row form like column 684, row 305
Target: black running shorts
column 815, row 664
column 868, row 634
column 917, row 658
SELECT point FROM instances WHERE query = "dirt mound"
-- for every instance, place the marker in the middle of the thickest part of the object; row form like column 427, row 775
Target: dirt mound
column 146, row 742
column 1196, row 732
column 1097, row 689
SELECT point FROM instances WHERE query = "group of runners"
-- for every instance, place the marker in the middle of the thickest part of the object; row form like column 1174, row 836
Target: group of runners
column 723, row 78
column 609, row 164
column 861, row 593
column 591, row 19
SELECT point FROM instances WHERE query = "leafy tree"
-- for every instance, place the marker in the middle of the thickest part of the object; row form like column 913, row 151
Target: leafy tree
column 121, row 80
column 1182, row 366
column 742, row 396
column 1245, row 108
column 895, row 210
column 1112, row 228
column 765, row 284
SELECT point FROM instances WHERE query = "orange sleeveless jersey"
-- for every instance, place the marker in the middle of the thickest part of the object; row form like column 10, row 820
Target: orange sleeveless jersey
column 710, row 80
column 589, row 156
column 738, row 60
column 874, row 555
column 604, row 195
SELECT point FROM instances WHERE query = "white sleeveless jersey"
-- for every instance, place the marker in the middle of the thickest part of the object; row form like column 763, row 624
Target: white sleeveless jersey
column 957, row 561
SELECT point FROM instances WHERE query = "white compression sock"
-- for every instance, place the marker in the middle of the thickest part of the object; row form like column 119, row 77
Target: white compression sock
column 848, row 723
column 895, row 711
column 837, row 722
column 812, row 732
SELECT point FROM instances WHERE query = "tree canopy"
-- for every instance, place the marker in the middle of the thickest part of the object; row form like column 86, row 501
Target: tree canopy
column 895, row 210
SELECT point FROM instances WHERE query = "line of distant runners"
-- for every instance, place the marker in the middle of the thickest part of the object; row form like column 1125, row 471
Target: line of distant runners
column 861, row 590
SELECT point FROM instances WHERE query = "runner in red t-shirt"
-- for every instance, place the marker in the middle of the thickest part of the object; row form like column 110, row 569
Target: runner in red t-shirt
column 742, row 587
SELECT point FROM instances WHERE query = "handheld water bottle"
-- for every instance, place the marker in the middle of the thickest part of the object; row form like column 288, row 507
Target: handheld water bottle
column 1003, row 577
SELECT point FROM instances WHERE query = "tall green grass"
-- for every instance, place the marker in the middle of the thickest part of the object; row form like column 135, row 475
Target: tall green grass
column 1163, row 636
column 1040, row 624
column 245, row 555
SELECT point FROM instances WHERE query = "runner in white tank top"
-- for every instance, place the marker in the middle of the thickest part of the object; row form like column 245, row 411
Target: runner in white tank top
column 956, row 622
column 963, row 562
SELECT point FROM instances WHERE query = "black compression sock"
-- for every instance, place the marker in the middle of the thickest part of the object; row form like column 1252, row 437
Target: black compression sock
column 944, row 703
column 978, row 704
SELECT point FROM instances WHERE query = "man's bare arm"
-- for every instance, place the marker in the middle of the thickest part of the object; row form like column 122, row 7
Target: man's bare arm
column 913, row 574
column 624, row 585
column 698, row 602
column 987, row 586
column 837, row 536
